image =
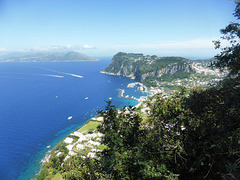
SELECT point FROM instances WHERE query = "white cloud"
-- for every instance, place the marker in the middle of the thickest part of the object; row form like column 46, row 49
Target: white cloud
column 3, row 49
column 86, row 46
column 68, row 47
column 194, row 47
column 190, row 44
column 51, row 48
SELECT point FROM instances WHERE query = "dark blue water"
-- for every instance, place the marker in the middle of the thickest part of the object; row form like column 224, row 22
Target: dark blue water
column 35, row 106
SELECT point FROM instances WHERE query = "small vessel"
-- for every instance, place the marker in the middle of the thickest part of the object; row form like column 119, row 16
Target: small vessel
column 86, row 97
column 110, row 98
column 70, row 117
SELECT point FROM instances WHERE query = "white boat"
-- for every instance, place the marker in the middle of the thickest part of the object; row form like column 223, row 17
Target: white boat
column 70, row 117
column 86, row 97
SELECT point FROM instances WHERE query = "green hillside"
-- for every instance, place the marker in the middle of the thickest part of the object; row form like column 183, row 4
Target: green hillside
column 144, row 64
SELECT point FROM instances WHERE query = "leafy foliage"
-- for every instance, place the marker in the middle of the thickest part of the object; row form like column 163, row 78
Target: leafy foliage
column 78, row 168
column 230, row 56
column 198, row 136
column 193, row 136
column 212, row 132
column 127, row 156
column 150, row 81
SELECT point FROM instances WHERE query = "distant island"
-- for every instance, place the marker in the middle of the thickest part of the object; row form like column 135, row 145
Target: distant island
column 46, row 57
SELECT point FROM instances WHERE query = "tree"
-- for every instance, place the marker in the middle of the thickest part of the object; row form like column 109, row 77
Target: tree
column 212, row 133
column 127, row 155
column 76, row 168
column 122, row 138
column 230, row 56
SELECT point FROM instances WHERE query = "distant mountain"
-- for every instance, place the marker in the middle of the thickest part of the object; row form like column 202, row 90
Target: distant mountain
column 46, row 57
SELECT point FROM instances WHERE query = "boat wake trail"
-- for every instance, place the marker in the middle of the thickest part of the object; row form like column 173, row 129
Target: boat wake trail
column 50, row 75
column 34, row 74
column 69, row 74
column 75, row 75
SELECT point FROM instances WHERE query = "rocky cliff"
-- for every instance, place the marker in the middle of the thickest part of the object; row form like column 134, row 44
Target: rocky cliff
column 139, row 67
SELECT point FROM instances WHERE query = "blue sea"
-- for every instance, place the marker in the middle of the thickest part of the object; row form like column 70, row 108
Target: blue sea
column 36, row 100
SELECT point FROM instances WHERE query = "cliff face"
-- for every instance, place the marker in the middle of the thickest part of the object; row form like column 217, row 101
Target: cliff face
column 140, row 67
column 170, row 69
column 121, row 64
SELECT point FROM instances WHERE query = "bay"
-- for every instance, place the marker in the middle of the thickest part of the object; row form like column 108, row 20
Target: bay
column 36, row 100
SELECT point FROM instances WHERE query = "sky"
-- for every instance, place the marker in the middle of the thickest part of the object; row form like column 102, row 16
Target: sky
column 104, row 27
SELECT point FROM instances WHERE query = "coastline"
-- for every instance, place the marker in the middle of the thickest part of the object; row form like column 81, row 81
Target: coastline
column 103, row 72
column 121, row 95
column 87, row 143
column 33, row 170
column 141, row 89
column 48, row 61
column 72, row 147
